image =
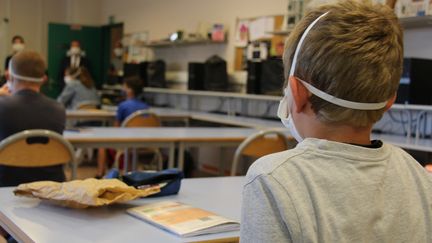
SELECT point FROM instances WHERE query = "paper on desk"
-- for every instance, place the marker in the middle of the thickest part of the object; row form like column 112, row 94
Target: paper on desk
column 83, row 193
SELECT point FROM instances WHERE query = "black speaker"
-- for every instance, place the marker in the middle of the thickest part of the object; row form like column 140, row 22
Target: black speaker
column 403, row 93
column 215, row 74
column 156, row 74
column 143, row 73
column 131, row 70
column 136, row 70
column 272, row 76
column 420, row 84
column 196, row 76
column 253, row 85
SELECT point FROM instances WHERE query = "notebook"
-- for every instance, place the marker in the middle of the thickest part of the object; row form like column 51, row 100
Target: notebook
column 183, row 219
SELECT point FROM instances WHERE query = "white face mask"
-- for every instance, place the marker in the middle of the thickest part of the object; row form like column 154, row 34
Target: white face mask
column 17, row 47
column 68, row 80
column 9, row 86
column 285, row 115
column 75, row 50
column 285, row 103
column 118, row 52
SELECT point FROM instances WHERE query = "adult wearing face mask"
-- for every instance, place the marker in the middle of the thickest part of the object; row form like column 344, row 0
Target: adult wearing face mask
column 17, row 46
column 79, row 88
column 75, row 58
column 115, row 73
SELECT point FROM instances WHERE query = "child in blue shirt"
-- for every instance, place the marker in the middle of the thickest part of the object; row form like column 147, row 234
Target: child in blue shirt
column 133, row 89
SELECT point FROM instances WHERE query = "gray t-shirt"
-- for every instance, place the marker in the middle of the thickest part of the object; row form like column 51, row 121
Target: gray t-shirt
column 75, row 93
column 323, row 191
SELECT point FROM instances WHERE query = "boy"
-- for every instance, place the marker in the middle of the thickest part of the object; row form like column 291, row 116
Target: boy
column 343, row 64
column 133, row 89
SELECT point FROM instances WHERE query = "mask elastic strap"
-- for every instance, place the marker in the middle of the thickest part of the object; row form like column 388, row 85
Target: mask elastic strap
column 300, row 43
column 25, row 78
column 344, row 103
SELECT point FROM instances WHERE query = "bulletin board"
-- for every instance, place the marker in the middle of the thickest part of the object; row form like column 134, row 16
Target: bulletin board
column 261, row 28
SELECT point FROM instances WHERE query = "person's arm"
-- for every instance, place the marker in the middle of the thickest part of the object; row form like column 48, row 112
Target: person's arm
column 120, row 116
column 261, row 220
column 4, row 90
column 66, row 96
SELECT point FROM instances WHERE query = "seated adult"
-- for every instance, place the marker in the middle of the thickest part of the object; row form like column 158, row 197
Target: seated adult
column 79, row 88
column 26, row 108
column 133, row 89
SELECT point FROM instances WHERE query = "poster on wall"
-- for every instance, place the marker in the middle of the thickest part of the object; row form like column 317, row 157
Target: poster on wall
column 242, row 33
column 136, row 47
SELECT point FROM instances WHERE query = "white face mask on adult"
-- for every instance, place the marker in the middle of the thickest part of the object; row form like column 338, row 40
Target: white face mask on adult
column 75, row 51
column 286, row 103
column 118, row 52
column 17, row 47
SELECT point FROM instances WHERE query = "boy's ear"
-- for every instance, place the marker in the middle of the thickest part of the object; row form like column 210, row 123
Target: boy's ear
column 390, row 102
column 300, row 94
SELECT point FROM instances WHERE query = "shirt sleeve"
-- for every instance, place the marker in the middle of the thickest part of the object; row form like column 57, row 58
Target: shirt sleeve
column 261, row 220
column 66, row 96
column 120, row 113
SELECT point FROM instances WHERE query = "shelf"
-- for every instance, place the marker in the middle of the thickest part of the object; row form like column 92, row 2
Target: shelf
column 212, row 94
column 162, row 44
column 416, row 22
column 280, row 32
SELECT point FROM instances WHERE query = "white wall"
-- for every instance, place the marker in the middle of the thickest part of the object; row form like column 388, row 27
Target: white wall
column 161, row 17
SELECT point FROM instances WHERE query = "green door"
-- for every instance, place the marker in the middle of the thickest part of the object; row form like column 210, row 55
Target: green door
column 59, row 37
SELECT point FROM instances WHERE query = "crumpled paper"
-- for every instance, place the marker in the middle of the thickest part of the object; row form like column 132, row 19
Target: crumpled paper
column 83, row 193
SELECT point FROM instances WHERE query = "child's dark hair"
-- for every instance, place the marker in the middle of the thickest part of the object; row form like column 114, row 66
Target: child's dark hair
column 136, row 84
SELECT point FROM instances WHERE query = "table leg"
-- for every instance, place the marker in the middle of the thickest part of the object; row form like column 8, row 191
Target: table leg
column 180, row 159
column 171, row 156
column 125, row 161
column 134, row 159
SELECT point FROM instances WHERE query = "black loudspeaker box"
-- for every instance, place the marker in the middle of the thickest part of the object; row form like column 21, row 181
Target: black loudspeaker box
column 196, row 76
column 215, row 74
column 156, row 74
column 272, row 76
column 253, row 85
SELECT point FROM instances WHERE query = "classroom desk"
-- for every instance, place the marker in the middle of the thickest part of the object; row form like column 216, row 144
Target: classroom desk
column 418, row 144
column 168, row 137
column 175, row 114
column 29, row 220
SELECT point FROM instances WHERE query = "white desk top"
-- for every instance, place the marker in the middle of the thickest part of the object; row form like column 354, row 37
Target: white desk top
column 213, row 94
column 175, row 113
column 160, row 134
column 33, row 221
column 421, row 144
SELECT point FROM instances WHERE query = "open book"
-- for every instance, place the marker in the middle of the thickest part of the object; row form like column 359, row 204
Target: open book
column 182, row 219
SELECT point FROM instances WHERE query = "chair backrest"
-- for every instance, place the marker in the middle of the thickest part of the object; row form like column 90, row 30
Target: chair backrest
column 35, row 148
column 141, row 118
column 86, row 105
column 260, row 144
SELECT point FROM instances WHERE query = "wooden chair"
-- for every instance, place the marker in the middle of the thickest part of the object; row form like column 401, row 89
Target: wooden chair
column 37, row 148
column 87, row 105
column 141, row 118
column 260, row 144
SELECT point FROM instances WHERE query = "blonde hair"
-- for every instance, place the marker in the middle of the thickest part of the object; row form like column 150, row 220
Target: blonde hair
column 354, row 53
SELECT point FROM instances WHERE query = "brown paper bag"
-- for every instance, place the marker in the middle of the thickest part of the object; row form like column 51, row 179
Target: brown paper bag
column 83, row 193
